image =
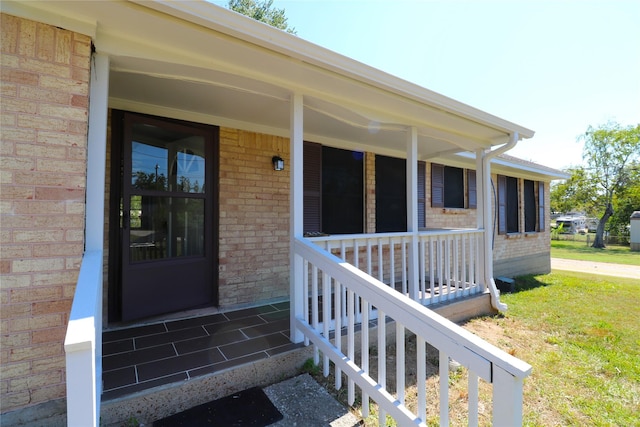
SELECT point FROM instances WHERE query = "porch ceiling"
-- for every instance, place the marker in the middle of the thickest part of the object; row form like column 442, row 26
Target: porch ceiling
column 231, row 100
column 197, row 61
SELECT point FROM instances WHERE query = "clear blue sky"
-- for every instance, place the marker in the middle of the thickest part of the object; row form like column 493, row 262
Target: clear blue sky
column 555, row 67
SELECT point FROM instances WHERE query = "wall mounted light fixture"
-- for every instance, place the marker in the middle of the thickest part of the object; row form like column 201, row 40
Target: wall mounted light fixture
column 278, row 163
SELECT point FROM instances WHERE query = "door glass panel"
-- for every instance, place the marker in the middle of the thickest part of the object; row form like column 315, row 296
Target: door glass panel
column 166, row 160
column 165, row 227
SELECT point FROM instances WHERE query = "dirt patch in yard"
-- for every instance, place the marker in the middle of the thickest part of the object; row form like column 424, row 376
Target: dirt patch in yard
column 506, row 334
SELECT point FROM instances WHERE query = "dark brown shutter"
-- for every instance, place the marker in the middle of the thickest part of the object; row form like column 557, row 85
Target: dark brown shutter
column 437, row 185
column 502, row 204
column 422, row 194
column 541, row 207
column 312, row 187
column 471, row 188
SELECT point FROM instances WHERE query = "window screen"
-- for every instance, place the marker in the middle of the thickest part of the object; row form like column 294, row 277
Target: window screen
column 391, row 194
column 530, row 207
column 342, row 191
column 507, row 205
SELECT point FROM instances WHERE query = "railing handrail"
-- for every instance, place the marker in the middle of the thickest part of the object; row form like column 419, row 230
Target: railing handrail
column 465, row 347
column 421, row 233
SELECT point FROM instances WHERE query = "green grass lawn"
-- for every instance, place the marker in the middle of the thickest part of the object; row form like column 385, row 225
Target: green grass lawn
column 581, row 334
column 580, row 251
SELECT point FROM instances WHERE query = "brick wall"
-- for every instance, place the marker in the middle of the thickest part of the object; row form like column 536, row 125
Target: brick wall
column 44, row 99
column 254, row 218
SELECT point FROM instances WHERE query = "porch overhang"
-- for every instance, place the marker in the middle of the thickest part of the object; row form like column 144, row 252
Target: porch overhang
column 197, row 61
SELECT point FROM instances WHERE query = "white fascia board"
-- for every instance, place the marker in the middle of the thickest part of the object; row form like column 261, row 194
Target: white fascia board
column 530, row 169
column 263, row 35
column 522, row 168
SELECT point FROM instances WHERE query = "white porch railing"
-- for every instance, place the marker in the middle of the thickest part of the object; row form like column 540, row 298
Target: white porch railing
column 448, row 261
column 341, row 295
column 83, row 345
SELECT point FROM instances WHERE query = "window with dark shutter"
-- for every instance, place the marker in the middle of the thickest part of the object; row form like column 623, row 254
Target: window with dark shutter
column 509, row 205
column 422, row 194
column 333, row 190
column 471, row 189
column 541, row 205
column 437, row 185
column 448, row 189
column 530, row 207
column 312, row 161
column 513, row 223
column 502, row 204
column 391, row 194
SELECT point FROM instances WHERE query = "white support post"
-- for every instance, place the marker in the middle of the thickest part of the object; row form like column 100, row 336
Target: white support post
column 296, row 210
column 96, row 152
column 83, row 339
column 412, row 210
column 507, row 398
column 482, row 198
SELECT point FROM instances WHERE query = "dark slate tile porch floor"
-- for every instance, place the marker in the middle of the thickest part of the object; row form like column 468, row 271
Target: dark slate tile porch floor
column 141, row 357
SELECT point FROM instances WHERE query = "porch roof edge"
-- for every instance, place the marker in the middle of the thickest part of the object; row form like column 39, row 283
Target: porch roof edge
column 223, row 20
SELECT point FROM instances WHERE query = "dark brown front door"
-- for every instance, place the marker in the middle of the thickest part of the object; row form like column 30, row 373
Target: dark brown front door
column 168, row 216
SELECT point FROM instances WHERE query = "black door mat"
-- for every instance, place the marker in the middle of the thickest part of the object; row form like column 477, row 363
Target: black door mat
column 250, row 407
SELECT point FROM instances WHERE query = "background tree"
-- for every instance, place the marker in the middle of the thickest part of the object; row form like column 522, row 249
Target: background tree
column 576, row 194
column 626, row 202
column 610, row 151
column 262, row 11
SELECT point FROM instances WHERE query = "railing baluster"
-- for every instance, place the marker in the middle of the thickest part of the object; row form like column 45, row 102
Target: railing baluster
column 447, row 264
column 380, row 261
column 392, row 264
column 305, row 295
column 463, row 266
column 473, row 399
column 444, row 389
column 421, row 377
column 441, row 275
column 314, row 310
column 400, row 368
column 326, row 316
column 351, row 326
column 364, row 341
column 369, row 260
column 338, row 330
column 382, row 361
column 422, row 262
column 356, row 263
column 456, row 264
column 405, row 285
column 432, row 271
column 472, row 264
column 343, row 290
column 478, row 281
